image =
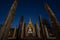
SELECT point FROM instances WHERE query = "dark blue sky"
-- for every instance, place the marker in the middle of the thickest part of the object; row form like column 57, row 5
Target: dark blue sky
column 29, row 9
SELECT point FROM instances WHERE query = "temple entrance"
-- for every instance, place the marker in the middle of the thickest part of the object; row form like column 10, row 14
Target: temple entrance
column 30, row 32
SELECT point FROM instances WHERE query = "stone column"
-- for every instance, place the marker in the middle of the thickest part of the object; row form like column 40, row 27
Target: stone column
column 22, row 33
column 8, row 21
column 42, row 29
column 54, row 21
column 20, row 27
column 38, row 30
column 46, row 31
column 24, row 29
column 14, row 34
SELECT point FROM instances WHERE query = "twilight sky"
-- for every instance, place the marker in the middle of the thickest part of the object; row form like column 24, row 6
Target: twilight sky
column 29, row 9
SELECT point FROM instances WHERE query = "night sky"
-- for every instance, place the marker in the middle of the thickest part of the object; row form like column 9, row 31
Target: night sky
column 29, row 9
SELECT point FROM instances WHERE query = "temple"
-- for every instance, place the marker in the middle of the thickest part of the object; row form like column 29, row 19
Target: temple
column 40, row 31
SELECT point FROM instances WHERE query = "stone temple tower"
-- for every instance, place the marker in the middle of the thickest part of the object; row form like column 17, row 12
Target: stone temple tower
column 30, row 30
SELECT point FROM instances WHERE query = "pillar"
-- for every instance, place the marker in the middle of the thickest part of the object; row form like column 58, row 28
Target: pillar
column 42, row 28
column 38, row 30
column 21, row 24
column 54, row 22
column 22, row 33
column 14, row 34
column 8, row 21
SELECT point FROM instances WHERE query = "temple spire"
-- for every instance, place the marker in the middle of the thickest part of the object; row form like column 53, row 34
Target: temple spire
column 30, row 29
column 30, row 22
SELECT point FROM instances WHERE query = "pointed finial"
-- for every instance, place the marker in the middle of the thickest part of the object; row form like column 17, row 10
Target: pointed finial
column 30, row 22
column 30, row 19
